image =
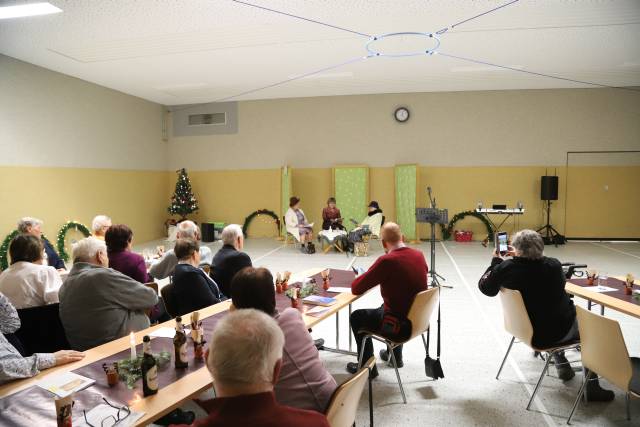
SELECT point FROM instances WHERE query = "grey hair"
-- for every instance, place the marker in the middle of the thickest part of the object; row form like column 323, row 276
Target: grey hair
column 99, row 222
column 188, row 230
column 87, row 249
column 528, row 244
column 26, row 222
column 231, row 233
column 245, row 347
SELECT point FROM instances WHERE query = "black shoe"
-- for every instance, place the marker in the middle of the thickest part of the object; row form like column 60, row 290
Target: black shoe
column 352, row 368
column 384, row 355
column 595, row 393
column 319, row 343
column 177, row 417
column 563, row 368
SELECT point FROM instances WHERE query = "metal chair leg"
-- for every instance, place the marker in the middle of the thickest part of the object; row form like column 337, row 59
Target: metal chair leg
column 424, row 342
column 513, row 339
column 575, row 404
column 364, row 340
column 370, row 400
column 395, row 366
column 544, row 371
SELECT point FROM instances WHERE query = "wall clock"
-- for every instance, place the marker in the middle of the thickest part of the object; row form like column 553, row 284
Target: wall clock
column 401, row 114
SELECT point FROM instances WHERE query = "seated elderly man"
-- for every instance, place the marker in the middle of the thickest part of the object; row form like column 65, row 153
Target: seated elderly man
column 541, row 282
column 99, row 304
column 401, row 273
column 100, row 225
column 12, row 365
column 244, row 358
column 229, row 260
column 192, row 288
column 304, row 381
column 28, row 283
column 163, row 268
column 28, row 225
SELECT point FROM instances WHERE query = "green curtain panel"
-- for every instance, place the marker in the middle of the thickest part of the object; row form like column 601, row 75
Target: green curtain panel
column 406, row 184
column 351, row 192
column 285, row 186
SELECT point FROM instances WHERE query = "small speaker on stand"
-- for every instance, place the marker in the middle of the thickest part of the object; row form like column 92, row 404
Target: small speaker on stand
column 549, row 192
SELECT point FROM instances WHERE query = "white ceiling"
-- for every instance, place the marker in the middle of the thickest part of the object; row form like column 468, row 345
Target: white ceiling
column 191, row 51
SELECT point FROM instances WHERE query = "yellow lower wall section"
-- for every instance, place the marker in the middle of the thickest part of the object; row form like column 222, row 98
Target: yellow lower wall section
column 55, row 195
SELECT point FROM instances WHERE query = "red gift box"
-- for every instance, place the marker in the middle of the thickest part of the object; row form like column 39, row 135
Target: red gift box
column 463, row 236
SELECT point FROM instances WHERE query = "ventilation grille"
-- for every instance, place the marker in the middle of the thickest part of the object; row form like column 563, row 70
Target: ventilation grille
column 207, row 119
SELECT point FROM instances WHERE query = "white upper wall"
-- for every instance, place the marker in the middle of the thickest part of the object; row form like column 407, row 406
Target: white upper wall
column 510, row 128
column 50, row 119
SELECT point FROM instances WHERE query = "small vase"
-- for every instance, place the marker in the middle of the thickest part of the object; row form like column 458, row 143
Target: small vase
column 326, row 284
column 628, row 290
column 285, row 286
column 294, row 302
column 279, row 288
column 590, row 280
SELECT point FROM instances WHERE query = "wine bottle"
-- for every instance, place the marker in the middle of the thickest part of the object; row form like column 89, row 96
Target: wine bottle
column 149, row 369
column 180, row 345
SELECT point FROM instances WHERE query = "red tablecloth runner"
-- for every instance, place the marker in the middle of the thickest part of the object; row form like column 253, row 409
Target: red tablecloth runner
column 611, row 282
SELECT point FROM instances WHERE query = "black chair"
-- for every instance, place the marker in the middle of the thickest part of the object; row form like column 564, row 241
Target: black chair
column 167, row 298
column 41, row 330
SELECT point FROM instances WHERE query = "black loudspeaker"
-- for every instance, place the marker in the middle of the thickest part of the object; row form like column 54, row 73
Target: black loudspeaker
column 549, row 188
column 208, row 232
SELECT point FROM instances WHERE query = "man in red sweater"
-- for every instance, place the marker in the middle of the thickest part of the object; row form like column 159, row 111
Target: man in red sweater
column 401, row 273
column 244, row 358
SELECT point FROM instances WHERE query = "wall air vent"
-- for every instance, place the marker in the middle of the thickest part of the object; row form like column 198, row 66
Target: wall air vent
column 207, row 119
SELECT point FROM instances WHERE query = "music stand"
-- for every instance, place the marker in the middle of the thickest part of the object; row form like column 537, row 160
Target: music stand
column 433, row 216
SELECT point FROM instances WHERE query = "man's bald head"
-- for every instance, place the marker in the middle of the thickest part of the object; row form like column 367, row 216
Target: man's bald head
column 391, row 233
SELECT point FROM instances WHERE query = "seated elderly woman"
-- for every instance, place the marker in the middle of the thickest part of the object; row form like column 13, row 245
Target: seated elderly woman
column 298, row 226
column 331, row 217
column 28, row 283
column 541, row 282
column 304, row 382
column 12, row 365
column 118, row 239
column 100, row 225
column 192, row 289
column 28, row 225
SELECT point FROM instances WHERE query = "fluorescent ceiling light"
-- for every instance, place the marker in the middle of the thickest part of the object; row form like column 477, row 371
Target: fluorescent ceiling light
column 30, row 9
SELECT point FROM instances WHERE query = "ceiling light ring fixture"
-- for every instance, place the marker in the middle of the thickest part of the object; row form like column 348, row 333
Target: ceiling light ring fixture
column 375, row 53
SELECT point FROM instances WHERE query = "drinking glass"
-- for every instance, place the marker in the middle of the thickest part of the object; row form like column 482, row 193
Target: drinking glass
column 602, row 278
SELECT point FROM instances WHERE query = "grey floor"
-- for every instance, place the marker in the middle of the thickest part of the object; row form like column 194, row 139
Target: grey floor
column 473, row 344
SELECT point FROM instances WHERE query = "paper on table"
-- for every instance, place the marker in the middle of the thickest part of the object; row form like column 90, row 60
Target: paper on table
column 339, row 289
column 65, row 384
column 167, row 332
column 317, row 311
column 601, row 289
column 101, row 412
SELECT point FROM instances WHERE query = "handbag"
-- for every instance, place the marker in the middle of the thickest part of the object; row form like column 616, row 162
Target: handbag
column 433, row 367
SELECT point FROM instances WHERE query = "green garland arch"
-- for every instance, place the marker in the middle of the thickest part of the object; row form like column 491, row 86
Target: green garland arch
column 4, row 248
column 63, row 233
column 448, row 230
column 250, row 218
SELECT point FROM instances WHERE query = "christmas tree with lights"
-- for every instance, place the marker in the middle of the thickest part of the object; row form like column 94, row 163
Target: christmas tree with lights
column 183, row 201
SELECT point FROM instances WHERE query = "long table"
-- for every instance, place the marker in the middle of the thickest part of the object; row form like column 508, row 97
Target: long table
column 192, row 384
column 615, row 300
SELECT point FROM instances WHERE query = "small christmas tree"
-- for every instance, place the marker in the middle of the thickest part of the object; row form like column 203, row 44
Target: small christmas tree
column 183, row 201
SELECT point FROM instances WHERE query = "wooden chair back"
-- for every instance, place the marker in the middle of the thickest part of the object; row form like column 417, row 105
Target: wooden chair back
column 421, row 310
column 167, row 298
column 516, row 318
column 343, row 405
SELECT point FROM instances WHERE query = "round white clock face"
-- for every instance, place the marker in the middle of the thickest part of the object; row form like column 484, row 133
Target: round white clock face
column 402, row 114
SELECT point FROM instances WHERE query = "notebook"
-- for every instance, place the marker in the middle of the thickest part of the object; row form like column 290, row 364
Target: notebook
column 318, row 300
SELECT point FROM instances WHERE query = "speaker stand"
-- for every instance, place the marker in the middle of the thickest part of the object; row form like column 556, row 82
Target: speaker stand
column 550, row 235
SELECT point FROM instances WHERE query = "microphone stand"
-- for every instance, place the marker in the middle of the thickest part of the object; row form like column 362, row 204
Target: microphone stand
column 432, row 270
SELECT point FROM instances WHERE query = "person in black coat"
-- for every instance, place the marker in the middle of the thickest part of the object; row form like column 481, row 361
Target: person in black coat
column 28, row 225
column 541, row 282
column 229, row 260
column 192, row 288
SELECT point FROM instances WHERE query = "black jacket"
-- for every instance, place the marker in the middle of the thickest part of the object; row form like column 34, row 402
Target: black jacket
column 541, row 283
column 226, row 263
column 52, row 256
column 193, row 290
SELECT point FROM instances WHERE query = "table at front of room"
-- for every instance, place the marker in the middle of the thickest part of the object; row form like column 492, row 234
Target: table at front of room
column 171, row 395
column 615, row 300
column 505, row 213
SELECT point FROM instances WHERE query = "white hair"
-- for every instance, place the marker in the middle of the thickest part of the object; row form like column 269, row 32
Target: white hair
column 245, row 347
column 188, row 230
column 26, row 222
column 99, row 222
column 528, row 244
column 230, row 234
column 87, row 249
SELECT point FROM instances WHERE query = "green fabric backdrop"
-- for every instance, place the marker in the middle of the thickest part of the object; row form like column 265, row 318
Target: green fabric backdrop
column 285, row 186
column 351, row 192
column 406, row 184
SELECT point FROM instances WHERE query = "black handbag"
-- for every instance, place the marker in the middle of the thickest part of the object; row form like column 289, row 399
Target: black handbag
column 433, row 367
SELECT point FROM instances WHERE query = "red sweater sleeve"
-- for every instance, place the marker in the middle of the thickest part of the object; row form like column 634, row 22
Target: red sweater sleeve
column 376, row 274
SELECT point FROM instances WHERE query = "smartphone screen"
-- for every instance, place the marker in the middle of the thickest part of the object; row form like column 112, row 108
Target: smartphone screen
column 501, row 242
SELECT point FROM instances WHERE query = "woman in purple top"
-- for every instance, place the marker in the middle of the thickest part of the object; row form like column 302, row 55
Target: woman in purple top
column 118, row 239
column 303, row 382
